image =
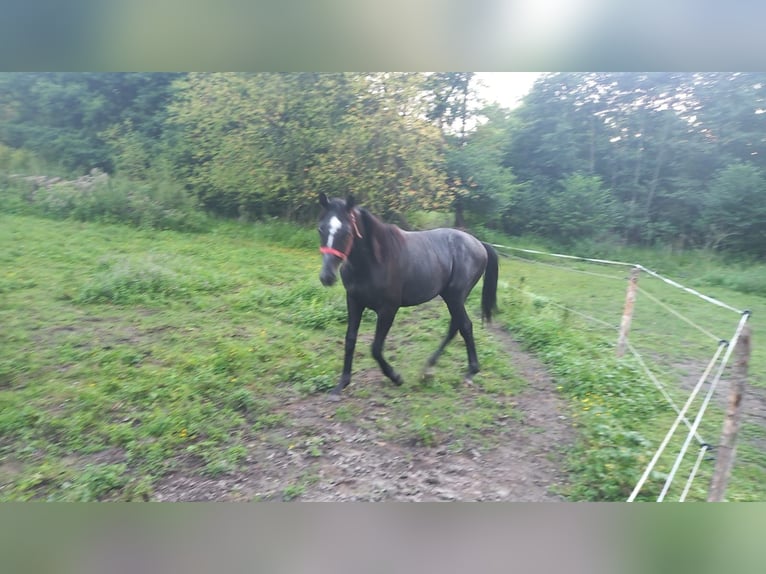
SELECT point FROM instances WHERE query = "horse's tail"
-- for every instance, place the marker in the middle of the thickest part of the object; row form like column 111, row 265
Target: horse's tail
column 489, row 291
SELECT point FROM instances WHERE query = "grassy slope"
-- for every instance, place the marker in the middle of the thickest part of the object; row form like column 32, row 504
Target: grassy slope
column 124, row 352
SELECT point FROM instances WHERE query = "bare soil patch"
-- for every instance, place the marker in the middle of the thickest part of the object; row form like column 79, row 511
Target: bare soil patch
column 318, row 458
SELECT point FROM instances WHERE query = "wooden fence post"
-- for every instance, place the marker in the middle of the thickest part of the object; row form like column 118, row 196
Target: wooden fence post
column 727, row 448
column 627, row 312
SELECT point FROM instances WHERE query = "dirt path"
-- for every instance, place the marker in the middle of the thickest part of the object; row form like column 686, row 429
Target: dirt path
column 352, row 462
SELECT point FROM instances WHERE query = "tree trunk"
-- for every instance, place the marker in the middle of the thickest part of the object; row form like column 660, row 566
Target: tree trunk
column 459, row 217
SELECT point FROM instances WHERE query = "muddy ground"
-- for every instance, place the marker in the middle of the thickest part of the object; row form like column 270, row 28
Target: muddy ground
column 356, row 464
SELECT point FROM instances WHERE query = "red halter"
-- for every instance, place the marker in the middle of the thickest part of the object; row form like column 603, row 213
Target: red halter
column 345, row 253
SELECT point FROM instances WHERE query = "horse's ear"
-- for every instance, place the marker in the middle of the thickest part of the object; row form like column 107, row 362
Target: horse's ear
column 350, row 202
column 323, row 200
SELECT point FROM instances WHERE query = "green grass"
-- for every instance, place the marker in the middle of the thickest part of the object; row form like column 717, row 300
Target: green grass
column 130, row 353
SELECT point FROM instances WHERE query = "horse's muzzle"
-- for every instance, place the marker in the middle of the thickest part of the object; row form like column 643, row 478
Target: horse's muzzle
column 327, row 279
column 329, row 273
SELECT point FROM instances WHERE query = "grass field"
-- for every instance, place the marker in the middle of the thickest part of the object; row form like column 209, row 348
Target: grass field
column 127, row 353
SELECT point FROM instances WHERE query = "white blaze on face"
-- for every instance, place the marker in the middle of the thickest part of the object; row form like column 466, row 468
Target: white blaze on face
column 335, row 225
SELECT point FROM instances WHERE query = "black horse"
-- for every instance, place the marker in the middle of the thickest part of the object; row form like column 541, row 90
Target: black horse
column 385, row 268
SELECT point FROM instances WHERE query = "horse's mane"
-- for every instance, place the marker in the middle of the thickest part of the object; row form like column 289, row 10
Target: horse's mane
column 384, row 239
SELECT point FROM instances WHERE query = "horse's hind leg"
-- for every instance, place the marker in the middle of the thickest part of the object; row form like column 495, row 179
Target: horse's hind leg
column 453, row 329
column 473, row 361
column 465, row 326
column 385, row 320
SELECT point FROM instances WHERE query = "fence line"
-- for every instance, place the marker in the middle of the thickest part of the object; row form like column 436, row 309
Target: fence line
column 661, row 388
column 570, row 269
column 681, row 414
column 575, row 257
column 636, row 355
column 693, row 472
column 675, row 424
column 665, row 306
column 692, row 291
column 686, row 320
column 624, row 264
column 703, row 408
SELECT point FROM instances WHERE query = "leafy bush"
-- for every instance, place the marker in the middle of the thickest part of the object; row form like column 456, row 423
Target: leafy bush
column 155, row 205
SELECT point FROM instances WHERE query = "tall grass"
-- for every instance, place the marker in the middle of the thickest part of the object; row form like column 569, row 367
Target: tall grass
column 156, row 204
column 750, row 280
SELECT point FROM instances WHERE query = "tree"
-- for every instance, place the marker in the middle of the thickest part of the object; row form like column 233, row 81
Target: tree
column 63, row 117
column 736, row 209
column 580, row 208
column 478, row 181
column 387, row 153
column 267, row 144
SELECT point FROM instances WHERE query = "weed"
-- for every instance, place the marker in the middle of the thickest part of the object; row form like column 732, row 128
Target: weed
column 269, row 420
column 313, row 446
column 242, row 400
column 95, row 482
column 293, row 491
column 346, row 413
column 156, row 205
column 316, row 384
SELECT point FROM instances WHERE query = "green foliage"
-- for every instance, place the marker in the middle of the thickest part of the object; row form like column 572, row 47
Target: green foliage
column 658, row 142
column 480, row 183
column 671, row 158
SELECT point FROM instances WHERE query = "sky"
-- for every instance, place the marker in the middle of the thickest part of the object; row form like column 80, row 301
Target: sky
column 505, row 88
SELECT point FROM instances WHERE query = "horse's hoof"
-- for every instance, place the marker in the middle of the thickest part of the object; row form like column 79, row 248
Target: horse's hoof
column 333, row 397
column 398, row 381
column 468, row 381
column 428, row 374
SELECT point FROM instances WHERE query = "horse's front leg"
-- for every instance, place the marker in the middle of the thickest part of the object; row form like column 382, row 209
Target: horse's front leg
column 355, row 310
column 385, row 320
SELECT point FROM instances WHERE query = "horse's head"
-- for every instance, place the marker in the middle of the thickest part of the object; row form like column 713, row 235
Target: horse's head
column 337, row 231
